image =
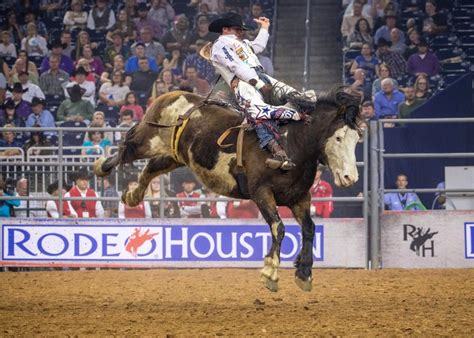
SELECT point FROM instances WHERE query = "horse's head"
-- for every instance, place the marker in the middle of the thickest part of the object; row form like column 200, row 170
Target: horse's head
column 343, row 134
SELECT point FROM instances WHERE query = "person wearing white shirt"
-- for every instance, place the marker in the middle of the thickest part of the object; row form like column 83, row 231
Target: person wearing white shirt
column 84, row 208
column 80, row 79
column 7, row 48
column 32, row 89
column 34, row 44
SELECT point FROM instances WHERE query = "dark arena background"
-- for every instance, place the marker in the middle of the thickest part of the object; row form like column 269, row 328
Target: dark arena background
column 393, row 254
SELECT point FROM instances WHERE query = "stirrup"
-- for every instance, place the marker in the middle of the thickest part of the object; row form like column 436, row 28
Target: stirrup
column 275, row 164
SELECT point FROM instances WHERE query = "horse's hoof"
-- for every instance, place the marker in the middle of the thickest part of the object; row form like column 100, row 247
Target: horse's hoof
column 270, row 284
column 305, row 285
column 98, row 167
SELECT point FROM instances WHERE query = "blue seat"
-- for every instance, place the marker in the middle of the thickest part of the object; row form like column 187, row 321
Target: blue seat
column 111, row 113
column 36, row 60
column 467, row 41
column 351, row 54
column 54, row 100
column 73, row 138
column 446, row 53
column 451, row 78
column 9, row 60
column 459, row 67
column 142, row 98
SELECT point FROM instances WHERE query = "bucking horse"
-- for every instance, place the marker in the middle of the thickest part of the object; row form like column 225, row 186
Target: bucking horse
column 182, row 129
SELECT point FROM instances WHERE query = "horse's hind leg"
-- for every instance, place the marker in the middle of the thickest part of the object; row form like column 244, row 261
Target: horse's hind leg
column 266, row 203
column 304, row 261
column 103, row 166
column 156, row 166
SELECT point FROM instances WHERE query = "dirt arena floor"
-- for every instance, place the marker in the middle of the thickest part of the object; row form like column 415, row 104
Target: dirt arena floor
column 233, row 302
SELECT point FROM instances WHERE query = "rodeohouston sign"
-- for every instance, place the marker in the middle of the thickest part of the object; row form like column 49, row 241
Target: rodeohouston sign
column 188, row 243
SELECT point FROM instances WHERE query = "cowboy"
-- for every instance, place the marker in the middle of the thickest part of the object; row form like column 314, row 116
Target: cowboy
column 83, row 208
column 236, row 61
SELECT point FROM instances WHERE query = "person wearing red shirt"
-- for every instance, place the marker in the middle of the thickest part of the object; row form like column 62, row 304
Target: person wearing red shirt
column 84, row 209
column 189, row 209
column 319, row 189
column 142, row 210
column 52, row 207
column 242, row 209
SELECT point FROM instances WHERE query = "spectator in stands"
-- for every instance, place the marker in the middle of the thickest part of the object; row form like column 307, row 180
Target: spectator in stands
column 6, row 206
column 143, row 79
column 434, row 23
column 34, row 44
column 98, row 119
column 159, row 88
column 11, row 25
column 398, row 46
column 132, row 105
column 394, row 60
column 37, row 140
column 202, row 33
column 142, row 210
column 50, row 8
column 414, row 40
column 384, row 31
column 116, row 48
column 411, row 103
column 349, row 22
column 30, row 89
column 361, row 85
column 162, row 13
column 144, row 21
column 132, row 63
column 76, row 17
column 175, row 63
column 168, row 78
column 189, row 209
column 367, row 111
column 52, row 81
column 22, row 107
column 213, row 209
column 119, row 65
column 179, row 36
column 83, row 38
column 402, row 201
column 362, row 34
column 113, row 93
column 384, row 74
column 33, row 208
column 8, row 115
column 23, row 63
column 256, row 11
column 101, row 16
column 422, row 87
column 126, row 121
column 387, row 101
column 91, row 76
column 7, row 48
column 65, row 62
column 52, row 206
column 204, row 67
column 40, row 117
column 66, row 40
column 171, row 208
column 97, row 142
column 80, row 79
column 83, row 208
column 95, row 63
column 366, row 61
column 109, row 190
column 423, row 62
column 321, row 189
column 242, row 209
column 8, row 140
column 125, row 26
column 74, row 108
column 4, row 78
column 153, row 49
column 30, row 17
column 200, row 86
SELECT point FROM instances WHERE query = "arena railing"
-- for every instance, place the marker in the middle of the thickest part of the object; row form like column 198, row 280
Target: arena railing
column 378, row 155
column 59, row 163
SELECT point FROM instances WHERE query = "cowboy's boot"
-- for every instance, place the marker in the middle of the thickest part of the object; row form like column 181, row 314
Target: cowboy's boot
column 280, row 160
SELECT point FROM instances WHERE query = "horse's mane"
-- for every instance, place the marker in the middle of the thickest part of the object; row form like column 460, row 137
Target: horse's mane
column 347, row 104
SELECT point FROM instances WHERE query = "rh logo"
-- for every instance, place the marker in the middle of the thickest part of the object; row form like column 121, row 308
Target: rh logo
column 419, row 240
column 469, row 240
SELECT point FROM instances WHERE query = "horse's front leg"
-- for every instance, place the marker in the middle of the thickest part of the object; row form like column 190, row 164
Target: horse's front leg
column 103, row 166
column 304, row 261
column 266, row 203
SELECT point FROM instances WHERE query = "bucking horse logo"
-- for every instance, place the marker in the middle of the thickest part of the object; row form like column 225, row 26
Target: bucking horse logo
column 136, row 240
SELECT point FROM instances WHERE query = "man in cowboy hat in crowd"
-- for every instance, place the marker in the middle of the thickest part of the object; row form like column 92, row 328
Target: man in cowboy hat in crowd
column 80, row 75
column 22, row 107
column 236, row 61
column 30, row 89
column 65, row 62
column 84, row 209
column 40, row 117
column 74, row 108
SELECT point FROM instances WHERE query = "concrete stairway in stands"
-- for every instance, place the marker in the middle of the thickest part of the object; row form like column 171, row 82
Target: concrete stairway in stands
column 325, row 48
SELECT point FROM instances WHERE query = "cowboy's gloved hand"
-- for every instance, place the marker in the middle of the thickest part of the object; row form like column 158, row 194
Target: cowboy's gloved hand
column 305, row 118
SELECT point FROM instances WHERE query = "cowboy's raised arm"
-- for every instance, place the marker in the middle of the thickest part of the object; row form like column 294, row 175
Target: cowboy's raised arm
column 260, row 42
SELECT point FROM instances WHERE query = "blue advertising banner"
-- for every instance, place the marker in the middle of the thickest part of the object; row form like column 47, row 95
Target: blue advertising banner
column 133, row 243
column 469, row 240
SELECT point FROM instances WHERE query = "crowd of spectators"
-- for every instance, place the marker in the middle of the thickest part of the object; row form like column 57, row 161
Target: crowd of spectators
column 99, row 63
column 399, row 53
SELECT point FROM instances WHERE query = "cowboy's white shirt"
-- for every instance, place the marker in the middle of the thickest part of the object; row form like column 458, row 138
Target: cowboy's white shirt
column 233, row 57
